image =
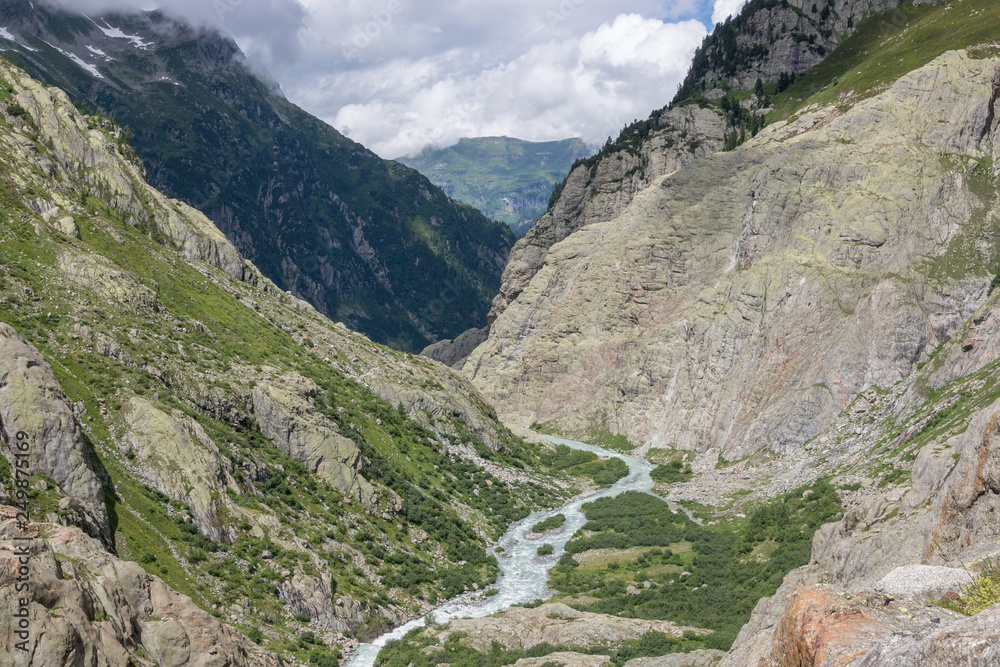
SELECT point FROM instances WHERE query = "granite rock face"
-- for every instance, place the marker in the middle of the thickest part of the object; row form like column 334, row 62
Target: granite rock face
column 699, row 658
column 770, row 39
column 33, row 403
column 290, row 421
column 602, row 192
column 555, row 624
column 175, row 456
column 747, row 299
column 87, row 607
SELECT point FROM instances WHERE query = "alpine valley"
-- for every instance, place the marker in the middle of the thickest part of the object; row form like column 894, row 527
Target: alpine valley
column 770, row 310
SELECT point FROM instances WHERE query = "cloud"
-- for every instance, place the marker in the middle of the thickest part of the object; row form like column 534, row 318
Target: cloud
column 267, row 30
column 520, row 71
column 398, row 75
column 726, row 8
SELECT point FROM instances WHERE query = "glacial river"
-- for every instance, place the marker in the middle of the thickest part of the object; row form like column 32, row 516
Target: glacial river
column 525, row 576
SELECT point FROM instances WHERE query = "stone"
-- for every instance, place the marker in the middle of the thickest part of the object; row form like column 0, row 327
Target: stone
column 699, row 658
column 566, row 659
column 928, row 581
column 176, row 457
column 555, row 624
column 752, row 295
column 32, row 402
column 287, row 418
column 111, row 613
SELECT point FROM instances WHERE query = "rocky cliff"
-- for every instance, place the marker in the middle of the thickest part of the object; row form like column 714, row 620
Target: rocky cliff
column 769, row 38
column 744, row 301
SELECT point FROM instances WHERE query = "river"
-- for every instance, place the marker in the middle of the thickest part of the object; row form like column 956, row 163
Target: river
column 524, row 576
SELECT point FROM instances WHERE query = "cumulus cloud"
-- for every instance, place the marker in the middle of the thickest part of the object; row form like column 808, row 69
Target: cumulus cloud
column 410, row 79
column 398, row 75
column 726, row 8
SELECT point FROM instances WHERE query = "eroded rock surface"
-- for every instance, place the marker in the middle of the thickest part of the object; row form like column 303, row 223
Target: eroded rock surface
column 175, row 456
column 33, row 402
column 747, row 299
column 87, row 607
column 555, row 624
column 290, row 421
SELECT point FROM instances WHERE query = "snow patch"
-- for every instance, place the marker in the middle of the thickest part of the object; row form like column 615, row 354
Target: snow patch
column 116, row 33
column 4, row 33
column 91, row 69
column 98, row 52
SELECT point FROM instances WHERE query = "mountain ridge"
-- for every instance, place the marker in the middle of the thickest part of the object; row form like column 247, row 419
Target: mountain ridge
column 367, row 241
column 508, row 179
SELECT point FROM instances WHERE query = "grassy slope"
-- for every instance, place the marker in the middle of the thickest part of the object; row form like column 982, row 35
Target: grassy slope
column 209, row 336
column 889, row 45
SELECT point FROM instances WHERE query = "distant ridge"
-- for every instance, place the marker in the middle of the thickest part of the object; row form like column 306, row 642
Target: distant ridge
column 509, row 180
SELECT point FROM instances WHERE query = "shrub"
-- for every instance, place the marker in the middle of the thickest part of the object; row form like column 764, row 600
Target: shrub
column 545, row 550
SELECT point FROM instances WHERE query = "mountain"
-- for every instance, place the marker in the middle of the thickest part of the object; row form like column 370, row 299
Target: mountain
column 219, row 474
column 368, row 242
column 807, row 292
column 507, row 179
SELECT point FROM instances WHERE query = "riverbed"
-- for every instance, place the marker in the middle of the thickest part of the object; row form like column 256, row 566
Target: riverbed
column 524, row 575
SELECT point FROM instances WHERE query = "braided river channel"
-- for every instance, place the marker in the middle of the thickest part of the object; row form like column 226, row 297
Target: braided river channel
column 525, row 575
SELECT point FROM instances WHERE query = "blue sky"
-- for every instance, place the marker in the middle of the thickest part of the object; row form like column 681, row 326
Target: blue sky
column 398, row 75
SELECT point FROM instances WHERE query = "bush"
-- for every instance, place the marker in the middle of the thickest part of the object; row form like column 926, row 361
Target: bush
column 551, row 523
column 545, row 550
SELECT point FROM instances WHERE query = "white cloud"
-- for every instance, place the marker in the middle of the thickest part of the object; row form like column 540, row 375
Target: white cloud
column 560, row 86
column 726, row 8
column 398, row 75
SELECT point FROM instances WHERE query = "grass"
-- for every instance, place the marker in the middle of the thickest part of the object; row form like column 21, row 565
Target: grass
column 886, row 46
column 636, row 538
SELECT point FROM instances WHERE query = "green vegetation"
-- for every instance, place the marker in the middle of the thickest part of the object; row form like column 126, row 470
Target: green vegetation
column 306, row 203
column 889, row 45
column 552, row 523
column 672, row 472
column 579, row 462
column 731, row 565
column 413, row 650
column 982, row 593
column 545, row 550
column 507, row 179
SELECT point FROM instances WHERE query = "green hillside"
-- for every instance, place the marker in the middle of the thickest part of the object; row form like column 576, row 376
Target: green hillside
column 368, row 242
column 509, row 180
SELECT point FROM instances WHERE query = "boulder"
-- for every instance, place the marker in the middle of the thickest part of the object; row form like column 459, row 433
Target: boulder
column 32, row 402
column 287, row 417
column 920, row 581
column 87, row 607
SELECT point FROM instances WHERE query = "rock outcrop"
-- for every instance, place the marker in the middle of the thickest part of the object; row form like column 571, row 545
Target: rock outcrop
column 555, row 624
column 768, row 39
column 747, row 299
column 604, row 187
column 33, row 403
column 174, row 455
column 87, row 607
column 288, row 419
column 699, row 658
column 453, row 353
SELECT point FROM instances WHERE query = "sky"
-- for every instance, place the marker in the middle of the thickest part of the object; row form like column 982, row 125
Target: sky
column 401, row 75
